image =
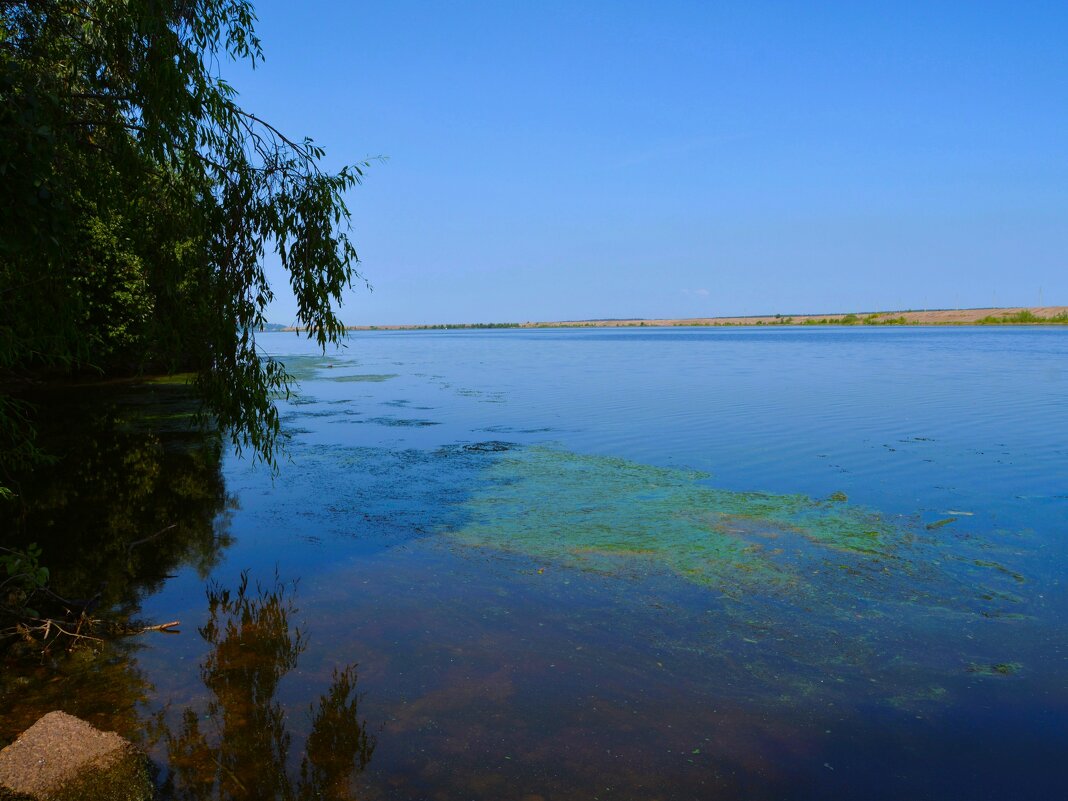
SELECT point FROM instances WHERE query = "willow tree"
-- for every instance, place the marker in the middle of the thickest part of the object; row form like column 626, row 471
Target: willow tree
column 138, row 200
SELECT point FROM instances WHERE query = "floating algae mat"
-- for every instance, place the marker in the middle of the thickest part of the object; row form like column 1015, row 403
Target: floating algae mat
column 612, row 515
column 797, row 592
column 312, row 367
column 373, row 378
column 592, row 510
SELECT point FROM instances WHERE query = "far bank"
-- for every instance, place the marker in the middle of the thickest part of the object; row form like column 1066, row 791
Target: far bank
column 1014, row 315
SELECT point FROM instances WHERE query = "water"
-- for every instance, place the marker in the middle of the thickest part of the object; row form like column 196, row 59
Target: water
column 779, row 563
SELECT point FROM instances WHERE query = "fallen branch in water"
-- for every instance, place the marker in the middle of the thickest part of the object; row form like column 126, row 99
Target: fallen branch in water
column 122, row 629
column 45, row 632
column 24, row 590
column 167, row 627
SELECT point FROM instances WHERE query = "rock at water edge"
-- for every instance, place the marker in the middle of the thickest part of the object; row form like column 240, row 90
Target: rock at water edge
column 63, row 758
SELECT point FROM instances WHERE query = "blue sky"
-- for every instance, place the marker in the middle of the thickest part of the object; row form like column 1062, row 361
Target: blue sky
column 561, row 160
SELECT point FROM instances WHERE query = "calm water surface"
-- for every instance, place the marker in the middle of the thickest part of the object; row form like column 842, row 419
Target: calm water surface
column 669, row 564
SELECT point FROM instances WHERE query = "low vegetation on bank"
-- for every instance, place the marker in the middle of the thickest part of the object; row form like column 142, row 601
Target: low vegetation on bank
column 1023, row 317
column 1049, row 315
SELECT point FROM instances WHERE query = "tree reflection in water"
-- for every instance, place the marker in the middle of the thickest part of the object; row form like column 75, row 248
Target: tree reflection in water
column 242, row 751
column 133, row 492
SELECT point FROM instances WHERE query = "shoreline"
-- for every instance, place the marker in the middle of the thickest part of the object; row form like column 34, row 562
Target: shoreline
column 1010, row 315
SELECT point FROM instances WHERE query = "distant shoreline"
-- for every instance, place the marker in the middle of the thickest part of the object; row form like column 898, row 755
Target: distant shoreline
column 1012, row 315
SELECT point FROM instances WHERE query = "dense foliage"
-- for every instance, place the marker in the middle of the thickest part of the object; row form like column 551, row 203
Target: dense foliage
column 138, row 200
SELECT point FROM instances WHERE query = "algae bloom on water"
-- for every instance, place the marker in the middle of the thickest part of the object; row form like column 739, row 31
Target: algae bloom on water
column 612, row 515
column 599, row 512
column 823, row 583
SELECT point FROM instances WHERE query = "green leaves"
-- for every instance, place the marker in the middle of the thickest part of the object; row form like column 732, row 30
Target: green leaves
column 141, row 199
column 21, row 575
column 25, row 563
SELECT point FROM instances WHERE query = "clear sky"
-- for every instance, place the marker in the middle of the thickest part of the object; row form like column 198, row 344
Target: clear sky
column 560, row 160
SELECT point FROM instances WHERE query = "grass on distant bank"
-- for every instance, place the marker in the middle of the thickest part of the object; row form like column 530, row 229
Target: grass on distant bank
column 853, row 319
column 1023, row 317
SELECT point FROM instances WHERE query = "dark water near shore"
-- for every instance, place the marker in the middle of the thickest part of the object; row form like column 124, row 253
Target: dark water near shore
column 675, row 564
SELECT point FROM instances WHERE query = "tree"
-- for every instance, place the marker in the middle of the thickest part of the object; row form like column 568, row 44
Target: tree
column 139, row 200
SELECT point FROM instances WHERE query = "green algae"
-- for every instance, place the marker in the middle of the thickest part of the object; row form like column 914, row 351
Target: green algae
column 986, row 563
column 401, row 422
column 806, row 597
column 172, row 378
column 995, row 670
column 374, row 378
column 305, row 367
column 939, row 523
column 914, row 699
column 597, row 512
column 335, row 367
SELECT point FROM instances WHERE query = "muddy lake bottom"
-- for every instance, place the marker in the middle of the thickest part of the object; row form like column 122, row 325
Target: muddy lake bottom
column 598, row 564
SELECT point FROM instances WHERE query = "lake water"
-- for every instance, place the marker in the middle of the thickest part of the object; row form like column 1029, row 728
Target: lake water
column 733, row 563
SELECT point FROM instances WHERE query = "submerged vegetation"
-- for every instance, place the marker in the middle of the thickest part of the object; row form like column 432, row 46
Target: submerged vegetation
column 833, row 587
column 604, row 508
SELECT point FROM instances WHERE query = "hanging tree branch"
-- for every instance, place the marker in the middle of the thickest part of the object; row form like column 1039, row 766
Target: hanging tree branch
column 115, row 118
